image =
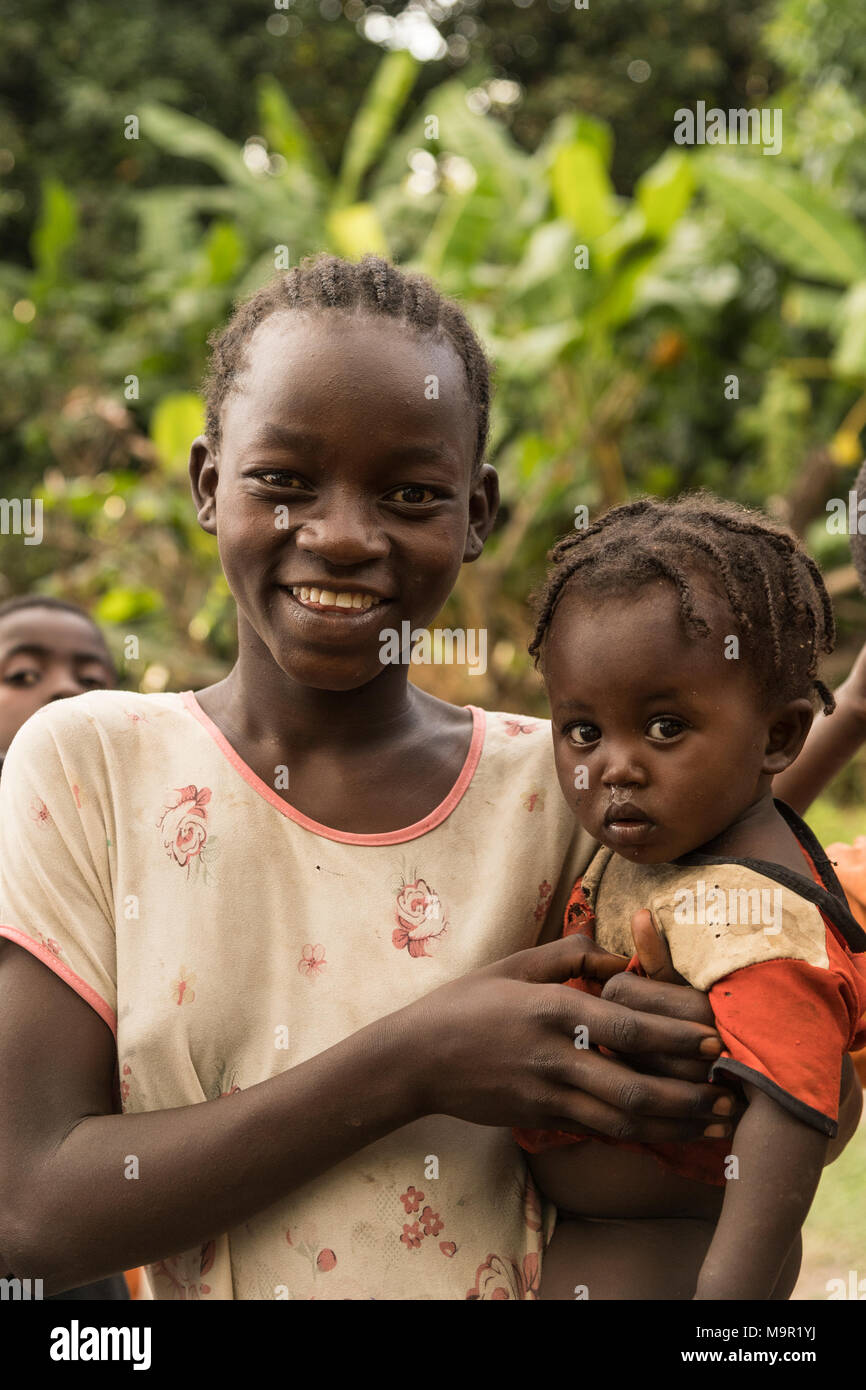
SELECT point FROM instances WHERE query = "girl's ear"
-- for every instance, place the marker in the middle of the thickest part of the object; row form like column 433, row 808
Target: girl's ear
column 787, row 732
column 203, row 478
column 483, row 506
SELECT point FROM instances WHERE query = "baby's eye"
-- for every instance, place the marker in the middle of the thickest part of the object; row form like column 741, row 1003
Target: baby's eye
column 583, row 734
column 666, row 728
column 415, row 489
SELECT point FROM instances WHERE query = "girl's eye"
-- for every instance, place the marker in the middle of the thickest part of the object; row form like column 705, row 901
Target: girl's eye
column 583, row 734
column 415, row 489
column 280, row 477
column 667, row 728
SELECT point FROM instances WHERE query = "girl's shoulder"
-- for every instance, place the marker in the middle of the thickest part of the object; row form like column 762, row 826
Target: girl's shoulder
column 96, row 721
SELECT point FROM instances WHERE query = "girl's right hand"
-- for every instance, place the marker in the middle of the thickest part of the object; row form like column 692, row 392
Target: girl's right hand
column 511, row 1044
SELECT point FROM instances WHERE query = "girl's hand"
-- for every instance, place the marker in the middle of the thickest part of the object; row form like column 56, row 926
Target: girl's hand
column 665, row 992
column 511, row 1044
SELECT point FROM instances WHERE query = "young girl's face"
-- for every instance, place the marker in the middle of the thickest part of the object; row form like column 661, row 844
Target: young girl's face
column 46, row 654
column 660, row 742
column 342, row 495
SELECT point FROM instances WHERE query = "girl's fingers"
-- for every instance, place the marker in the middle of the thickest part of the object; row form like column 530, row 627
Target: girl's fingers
column 652, row 949
column 569, row 958
column 622, row 1029
column 634, row 1097
column 656, row 1064
column 587, row 1113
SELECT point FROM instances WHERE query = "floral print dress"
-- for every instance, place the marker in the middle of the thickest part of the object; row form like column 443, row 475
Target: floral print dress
column 224, row 938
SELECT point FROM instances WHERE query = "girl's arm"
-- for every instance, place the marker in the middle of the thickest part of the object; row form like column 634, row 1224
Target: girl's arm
column 833, row 740
column 779, row 1162
column 495, row 1047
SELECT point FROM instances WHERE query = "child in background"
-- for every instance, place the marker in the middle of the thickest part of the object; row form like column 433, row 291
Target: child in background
column 50, row 650
column 679, row 643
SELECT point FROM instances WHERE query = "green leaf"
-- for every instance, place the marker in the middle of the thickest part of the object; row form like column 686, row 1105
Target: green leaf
column 121, row 604
column 191, row 139
column 224, row 253
column 175, row 422
column 849, row 358
column 788, row 217
column 55, row 232
column 380, row 109
column 665, row 191
column 284, row 130
column 356, row 230
column 582, row 190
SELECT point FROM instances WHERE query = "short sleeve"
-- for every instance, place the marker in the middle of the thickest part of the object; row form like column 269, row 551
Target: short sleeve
column 56, row 829
column 728, row 917
column 785, row 1025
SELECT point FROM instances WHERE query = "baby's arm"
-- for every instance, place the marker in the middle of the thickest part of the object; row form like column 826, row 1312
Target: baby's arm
column 779, row 1161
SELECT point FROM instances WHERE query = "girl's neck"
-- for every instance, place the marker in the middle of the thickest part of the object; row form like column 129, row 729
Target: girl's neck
column 266, row 706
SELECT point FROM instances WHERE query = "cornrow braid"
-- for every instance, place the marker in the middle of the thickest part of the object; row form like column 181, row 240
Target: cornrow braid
column 771, row 585
column 372, row 286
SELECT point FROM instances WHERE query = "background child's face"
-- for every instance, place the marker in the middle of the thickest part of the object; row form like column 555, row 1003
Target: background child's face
column 343, row 467
column 46, row 654
column 670, row 733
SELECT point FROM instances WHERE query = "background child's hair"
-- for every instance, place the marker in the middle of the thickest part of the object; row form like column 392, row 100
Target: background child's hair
column 773, row 588
column 371, row 286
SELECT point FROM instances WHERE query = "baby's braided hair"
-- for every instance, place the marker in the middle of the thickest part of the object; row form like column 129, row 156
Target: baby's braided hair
column 371, row 286
column 773, row 588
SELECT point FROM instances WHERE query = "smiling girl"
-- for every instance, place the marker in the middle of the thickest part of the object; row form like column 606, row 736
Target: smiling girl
column 295, row 912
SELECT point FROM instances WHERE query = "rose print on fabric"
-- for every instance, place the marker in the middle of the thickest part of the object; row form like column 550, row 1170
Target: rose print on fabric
column 182, row 991
column 184, row 829
column 534, row 801
column 39, row 811
column 182, row 1276
column 50, row 944
column 500, row 1279
column 543, row 902
column 312, row 962
column 126, row 1073
column 420, row 921
column 513, row 727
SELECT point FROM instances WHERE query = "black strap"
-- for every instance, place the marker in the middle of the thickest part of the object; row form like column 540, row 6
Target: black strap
column 830, row 899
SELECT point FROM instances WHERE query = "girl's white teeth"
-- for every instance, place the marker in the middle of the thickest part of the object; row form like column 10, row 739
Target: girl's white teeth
column 330, row 599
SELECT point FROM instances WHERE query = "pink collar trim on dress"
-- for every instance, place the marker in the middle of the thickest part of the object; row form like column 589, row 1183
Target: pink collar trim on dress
column 390, row 837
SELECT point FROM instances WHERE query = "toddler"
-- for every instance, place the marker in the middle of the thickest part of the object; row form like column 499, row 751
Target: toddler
column 679, row 643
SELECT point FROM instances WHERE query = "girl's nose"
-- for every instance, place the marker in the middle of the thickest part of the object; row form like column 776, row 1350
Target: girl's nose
column 345, row 534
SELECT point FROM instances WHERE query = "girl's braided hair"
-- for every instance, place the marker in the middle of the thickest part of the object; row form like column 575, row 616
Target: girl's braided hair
column 371, row 286
column 773, row 588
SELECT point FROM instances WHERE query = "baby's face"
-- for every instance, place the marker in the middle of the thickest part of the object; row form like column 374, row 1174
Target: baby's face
column 659, row 740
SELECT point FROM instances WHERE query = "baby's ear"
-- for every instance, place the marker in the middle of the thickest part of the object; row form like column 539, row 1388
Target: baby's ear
column 787, row 732
column 203, row 477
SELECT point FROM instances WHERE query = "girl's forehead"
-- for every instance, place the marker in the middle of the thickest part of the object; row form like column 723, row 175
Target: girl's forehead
column 349, row 372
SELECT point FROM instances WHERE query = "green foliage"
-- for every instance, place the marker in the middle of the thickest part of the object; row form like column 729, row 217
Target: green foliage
column 618, row 280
